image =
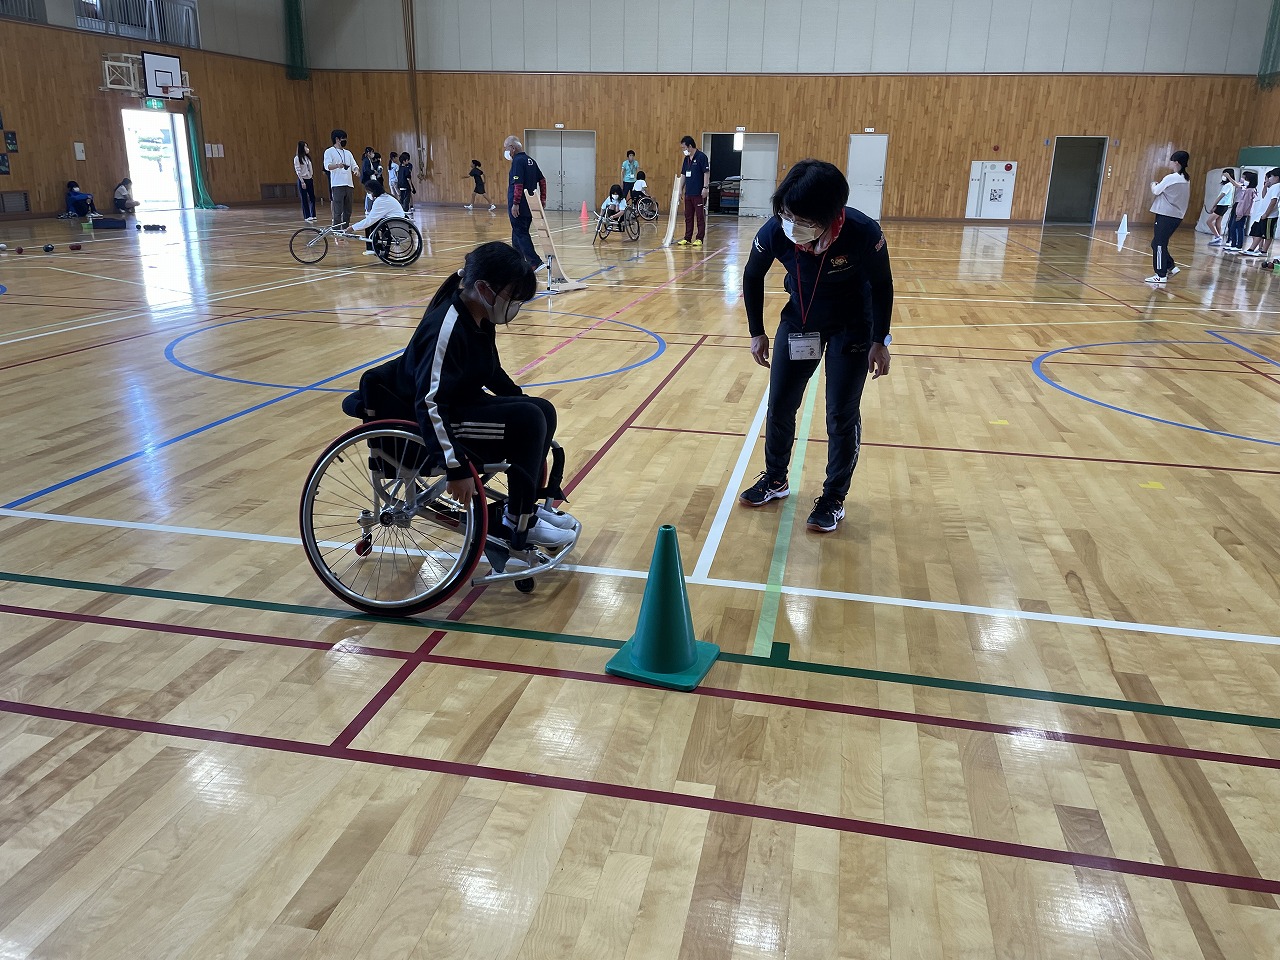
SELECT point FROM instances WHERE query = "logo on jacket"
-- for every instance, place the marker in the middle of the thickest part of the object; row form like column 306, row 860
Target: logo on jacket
column 880, row 243
column 838, row 263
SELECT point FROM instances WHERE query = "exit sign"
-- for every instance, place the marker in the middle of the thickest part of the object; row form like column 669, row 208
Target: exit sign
column 153, row 103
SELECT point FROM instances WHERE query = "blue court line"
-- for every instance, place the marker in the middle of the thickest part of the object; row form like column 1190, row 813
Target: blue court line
column 170, row 353
column 152, row 448
column 1241, row 346
column 1038, row 363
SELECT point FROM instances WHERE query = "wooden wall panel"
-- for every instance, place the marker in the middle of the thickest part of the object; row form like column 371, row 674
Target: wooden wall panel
column 936, row 124
column 49, row 80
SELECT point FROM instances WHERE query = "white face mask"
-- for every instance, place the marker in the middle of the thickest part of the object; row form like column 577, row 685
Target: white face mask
column 506, row 154
column 502, row 311
column 799, row 233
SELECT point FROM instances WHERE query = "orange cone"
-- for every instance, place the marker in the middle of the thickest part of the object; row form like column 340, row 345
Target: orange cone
column 585, row 215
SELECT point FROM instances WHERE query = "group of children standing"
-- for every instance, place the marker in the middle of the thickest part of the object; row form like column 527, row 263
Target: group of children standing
column 396, row 180
column 1240, row 201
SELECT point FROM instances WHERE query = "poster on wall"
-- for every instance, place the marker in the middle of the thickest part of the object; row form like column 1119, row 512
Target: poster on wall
column 11, row 141
column 4, row 164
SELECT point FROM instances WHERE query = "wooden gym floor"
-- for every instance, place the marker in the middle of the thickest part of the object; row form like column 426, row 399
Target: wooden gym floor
column 1022, row 704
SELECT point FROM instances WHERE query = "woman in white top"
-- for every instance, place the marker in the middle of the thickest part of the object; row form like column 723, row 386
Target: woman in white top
column 1172, row 194
column 306, row 185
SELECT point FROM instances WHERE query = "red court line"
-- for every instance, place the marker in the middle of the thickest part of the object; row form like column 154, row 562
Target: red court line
column 379, row 699
column 638, row 300
column 425, row 654
column 1261, row 373
column 996, row 453
column 738, row 808
column 626, row 424
column 187, row 631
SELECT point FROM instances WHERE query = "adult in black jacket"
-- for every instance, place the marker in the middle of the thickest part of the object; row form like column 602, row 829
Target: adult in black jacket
column 525, row 175
column 450, row 379
column 841, row 291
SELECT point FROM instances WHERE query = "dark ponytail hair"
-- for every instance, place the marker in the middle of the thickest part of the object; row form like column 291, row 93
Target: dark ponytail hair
column 302, row 151
column 1182, row 158
column 496, row 263
column 1251, row 178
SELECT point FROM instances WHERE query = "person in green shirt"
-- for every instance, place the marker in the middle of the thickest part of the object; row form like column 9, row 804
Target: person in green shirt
column 630, row 167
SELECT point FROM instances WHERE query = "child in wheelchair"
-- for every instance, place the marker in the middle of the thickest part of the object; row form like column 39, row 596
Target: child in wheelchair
column 384, row 206
column 468, row 409
column 638, row 189
column 613, row 206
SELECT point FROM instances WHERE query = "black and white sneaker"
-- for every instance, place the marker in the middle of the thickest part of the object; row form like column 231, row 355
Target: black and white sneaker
column 764, row 490
column 827, row 514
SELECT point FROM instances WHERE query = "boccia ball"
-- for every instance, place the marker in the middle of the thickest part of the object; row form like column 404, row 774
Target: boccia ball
column 48, row 248
column 137, row 226
column 4, row 246
column 19, row 250
column 74, row 246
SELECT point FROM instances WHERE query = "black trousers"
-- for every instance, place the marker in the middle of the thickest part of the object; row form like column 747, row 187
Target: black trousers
column 520, row 238
column 518, row 430
column 307, row 191
column 1161, row 258
column 846, row 358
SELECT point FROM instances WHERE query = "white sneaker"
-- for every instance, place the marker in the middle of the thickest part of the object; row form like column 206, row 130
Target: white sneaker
column 1156, row 278
column 309, row 219
column 370, row 253
column 557, row 518
column 1252, row 253
column 1174, row 271
column 94, row 215
column 542, row 534
column 466, row 206
column 493, row 206
column 1216, row 242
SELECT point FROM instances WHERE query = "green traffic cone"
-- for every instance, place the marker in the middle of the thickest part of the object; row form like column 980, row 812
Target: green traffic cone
column 663, row 650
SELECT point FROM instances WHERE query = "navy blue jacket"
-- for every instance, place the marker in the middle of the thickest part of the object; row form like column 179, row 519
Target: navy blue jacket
column 525, row 175
column 854, row 285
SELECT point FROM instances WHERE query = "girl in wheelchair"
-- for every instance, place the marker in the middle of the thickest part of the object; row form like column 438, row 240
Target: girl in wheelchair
column 639, row 188
column 468, row 409
column 384, row 205
column 613, row 205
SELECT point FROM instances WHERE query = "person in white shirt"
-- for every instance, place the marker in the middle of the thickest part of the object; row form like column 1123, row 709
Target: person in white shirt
column 638, row 188
column 613, row 205
column 1172, row 194
column 306, row 182
column 339, row 162
column 1266, row 210
column 1221, row 205
column 123, row 197
column 384, row 205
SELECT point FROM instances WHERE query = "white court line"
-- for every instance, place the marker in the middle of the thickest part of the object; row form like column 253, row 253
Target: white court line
column 271, row 288
column 936, row 606
column 712, row 544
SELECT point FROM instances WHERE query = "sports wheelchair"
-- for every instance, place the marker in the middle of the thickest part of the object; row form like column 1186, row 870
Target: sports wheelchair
column 396, row 241
column 646, row 206
column 383, row 534
column 628, row 222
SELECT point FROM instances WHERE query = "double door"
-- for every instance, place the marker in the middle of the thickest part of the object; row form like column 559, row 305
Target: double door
column 568, row 161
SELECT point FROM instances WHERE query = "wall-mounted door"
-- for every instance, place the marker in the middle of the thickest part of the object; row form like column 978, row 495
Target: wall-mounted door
column 567, row 159
column 865, row 170
column 1075, row 180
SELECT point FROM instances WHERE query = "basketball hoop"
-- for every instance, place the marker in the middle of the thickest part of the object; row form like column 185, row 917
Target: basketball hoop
column 175, row 92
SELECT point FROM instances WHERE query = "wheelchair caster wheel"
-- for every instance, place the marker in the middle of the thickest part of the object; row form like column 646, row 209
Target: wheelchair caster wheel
column 363, row 546
column 525, row 585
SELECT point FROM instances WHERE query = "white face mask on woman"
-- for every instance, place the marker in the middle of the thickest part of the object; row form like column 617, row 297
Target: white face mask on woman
column 502, row 311
column 799, row 233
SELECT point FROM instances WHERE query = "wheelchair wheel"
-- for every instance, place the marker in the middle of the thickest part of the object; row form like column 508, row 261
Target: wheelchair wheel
column 309, row 245
column 378, row 527
column 603, row 228
column 648, row 208
column 397, row 242
column 631, row 222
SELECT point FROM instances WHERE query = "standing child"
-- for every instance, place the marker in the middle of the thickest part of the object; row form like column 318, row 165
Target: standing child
column 477, row 187
column 405, row 184
column 1221, row 206
column 1172, row 194
column 306, row 182
column 1266, row 210
column 1246, row 193
column 393, row 175
column 630, row 173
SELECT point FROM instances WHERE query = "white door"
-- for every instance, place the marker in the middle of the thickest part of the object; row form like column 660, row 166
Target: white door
column 545, row 146
column 759, row 174
column 867, row 152
column 578, row 170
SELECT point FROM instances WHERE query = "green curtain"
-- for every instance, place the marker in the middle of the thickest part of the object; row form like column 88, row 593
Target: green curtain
column 195, row 147
column 1269, row 68
column 296, row 66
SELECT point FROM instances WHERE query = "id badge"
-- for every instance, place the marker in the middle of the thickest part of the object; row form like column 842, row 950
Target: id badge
column 804, row 346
